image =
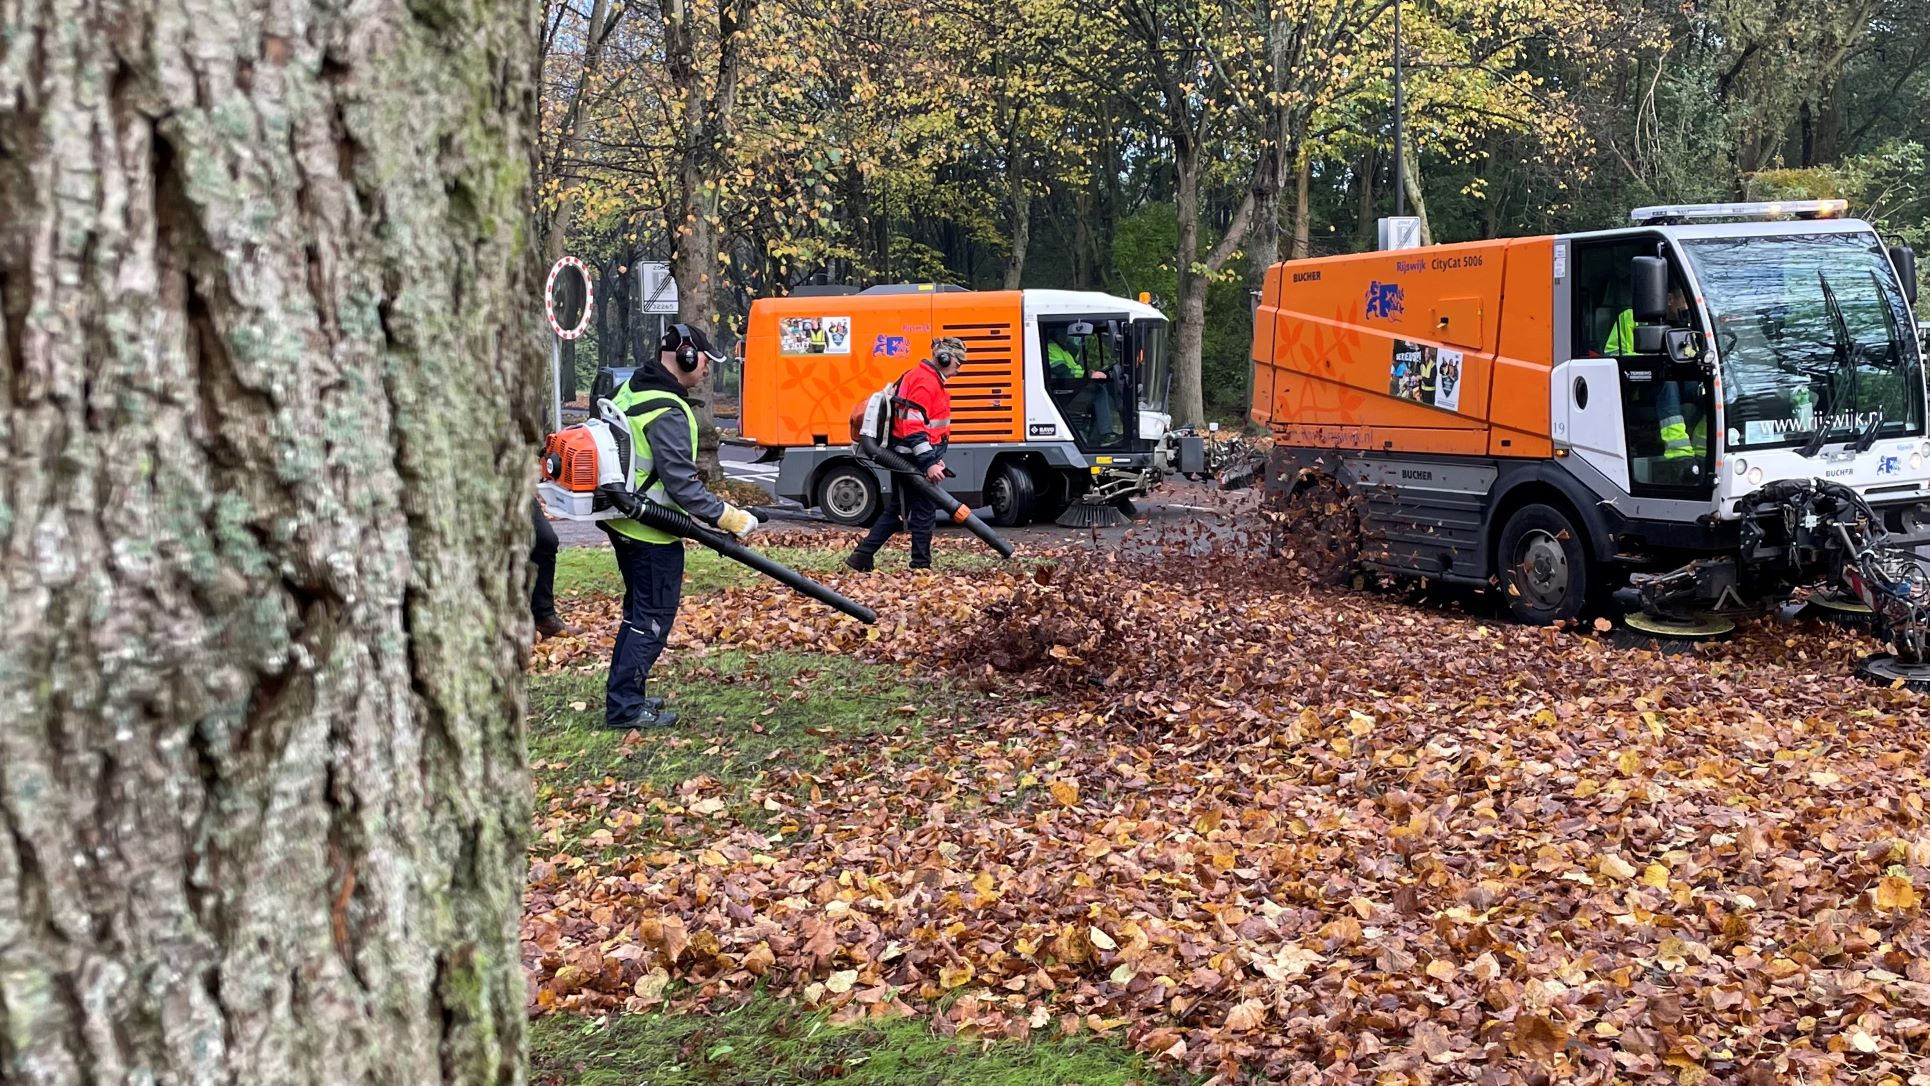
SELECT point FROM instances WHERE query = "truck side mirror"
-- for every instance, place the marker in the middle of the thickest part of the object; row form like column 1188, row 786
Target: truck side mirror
column 1648, row 278
column 1905, row 259
column 1684, row 344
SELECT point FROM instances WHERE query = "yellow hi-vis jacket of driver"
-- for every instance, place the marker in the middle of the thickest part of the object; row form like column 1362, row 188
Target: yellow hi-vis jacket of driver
column 641, row 409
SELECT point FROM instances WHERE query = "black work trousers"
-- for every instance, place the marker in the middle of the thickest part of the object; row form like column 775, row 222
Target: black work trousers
column 653, row 582
column 542, row 591
column 910, row 510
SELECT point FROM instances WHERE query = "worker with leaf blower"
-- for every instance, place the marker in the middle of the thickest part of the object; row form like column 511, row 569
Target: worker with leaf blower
column 921, row 427
column 663, row 427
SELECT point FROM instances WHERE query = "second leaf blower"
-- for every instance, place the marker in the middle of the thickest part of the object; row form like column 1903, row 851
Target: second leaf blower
column 869, row 425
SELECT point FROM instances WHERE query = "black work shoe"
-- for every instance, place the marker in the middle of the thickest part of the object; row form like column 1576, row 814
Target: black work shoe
column 649, row 718
column 652, row 704
column 860, row 562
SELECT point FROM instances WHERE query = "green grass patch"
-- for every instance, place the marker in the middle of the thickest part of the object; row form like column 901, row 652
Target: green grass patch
column 592, row 570
column 769, row 1042
column 741, row 714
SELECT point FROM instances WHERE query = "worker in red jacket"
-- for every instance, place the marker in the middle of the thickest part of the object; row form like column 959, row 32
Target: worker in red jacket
column 921, row 427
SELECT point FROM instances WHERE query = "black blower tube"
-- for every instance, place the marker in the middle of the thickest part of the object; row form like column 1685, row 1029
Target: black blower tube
column 679, row 523
column 908, row 471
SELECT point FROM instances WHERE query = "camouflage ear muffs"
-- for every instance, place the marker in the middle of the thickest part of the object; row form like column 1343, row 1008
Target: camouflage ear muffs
column 947, row 350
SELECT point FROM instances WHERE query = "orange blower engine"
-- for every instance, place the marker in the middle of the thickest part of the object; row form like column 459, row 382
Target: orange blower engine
column 579, row 463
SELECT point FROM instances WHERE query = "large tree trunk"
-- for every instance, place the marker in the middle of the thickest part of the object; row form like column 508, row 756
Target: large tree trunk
column 268, row 407
column 567, row 156
column 1189, row 405
column 1194, row 276
column 1302, row 216
column 1021, row 228
column 1083, row 258
column 1367, row 210
column 707, row 108
column 1411, row 182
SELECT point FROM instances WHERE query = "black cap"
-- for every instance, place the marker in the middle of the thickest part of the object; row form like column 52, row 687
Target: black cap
column 673, row 338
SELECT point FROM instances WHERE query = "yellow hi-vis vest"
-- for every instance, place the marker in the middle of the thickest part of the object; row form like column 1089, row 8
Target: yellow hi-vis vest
column 1063, row 362
column 641, row 409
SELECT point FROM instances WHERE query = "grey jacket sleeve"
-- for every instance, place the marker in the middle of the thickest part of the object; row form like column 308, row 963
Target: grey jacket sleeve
column 676, row 465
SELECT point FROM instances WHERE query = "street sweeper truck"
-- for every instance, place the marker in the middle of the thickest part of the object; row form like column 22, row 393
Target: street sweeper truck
column 1699, row 413
column 1060, row 412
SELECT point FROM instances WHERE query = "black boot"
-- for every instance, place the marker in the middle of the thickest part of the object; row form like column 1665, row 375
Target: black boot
column 860, row 561
column 649, row 718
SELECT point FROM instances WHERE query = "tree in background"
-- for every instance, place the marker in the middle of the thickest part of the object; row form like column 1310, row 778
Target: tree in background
column 1025, row 143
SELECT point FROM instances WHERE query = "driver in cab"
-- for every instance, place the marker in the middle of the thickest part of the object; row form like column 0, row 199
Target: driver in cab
column 1672, row 415
column 1063, row 362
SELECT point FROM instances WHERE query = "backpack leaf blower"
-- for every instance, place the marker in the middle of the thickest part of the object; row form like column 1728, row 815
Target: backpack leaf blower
column 872, row 419
column 587, row 476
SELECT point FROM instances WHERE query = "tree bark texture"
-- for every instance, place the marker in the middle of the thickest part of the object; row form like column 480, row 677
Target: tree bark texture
column 268, row 406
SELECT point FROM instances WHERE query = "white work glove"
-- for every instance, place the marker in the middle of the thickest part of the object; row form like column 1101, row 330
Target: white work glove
column 737, row 522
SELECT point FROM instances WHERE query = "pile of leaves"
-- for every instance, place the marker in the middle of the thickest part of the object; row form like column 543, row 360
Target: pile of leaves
column 1057, row 630
column 1299, row 834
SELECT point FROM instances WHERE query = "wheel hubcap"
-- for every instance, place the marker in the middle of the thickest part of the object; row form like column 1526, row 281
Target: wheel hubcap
column 1001, row 496
column 845, row 496
column 1541, row 569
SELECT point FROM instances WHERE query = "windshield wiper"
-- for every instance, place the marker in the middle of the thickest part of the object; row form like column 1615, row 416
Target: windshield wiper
column 1839, row 333
column 1868, row 437
column 1895, row 346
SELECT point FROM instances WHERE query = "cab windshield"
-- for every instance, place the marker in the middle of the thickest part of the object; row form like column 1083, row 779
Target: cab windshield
column 1812, row 333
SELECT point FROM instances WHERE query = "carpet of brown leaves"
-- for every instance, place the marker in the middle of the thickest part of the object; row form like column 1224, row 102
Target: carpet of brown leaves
column 1281, row 833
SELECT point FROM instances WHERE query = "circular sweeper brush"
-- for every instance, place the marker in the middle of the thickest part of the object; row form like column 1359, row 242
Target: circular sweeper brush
column 1703, row 628
column 1884, row 669
column 1837, row 607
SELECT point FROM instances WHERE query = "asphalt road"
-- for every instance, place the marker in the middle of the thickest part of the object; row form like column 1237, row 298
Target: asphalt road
column 1179, row 511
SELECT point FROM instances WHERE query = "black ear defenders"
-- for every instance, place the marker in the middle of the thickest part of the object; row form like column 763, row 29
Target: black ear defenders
column 686, row 350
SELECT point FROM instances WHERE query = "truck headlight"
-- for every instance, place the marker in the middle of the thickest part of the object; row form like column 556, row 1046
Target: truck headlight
column 1755, row 477
column 1742, row 466
column 1916, row 461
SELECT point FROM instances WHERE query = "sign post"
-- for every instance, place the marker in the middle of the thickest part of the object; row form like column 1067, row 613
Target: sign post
column 658, row 289
column 561, row 271
column 1400, row 232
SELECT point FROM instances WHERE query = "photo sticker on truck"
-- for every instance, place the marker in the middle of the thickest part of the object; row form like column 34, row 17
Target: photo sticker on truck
column 1428, row 375
column 814, row 335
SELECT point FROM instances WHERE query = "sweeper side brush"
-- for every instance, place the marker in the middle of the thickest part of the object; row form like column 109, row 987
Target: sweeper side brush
column 1091, row 515
column 908, row 472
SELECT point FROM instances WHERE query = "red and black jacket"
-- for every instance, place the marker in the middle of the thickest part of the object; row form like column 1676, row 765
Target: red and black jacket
column 921, row 416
